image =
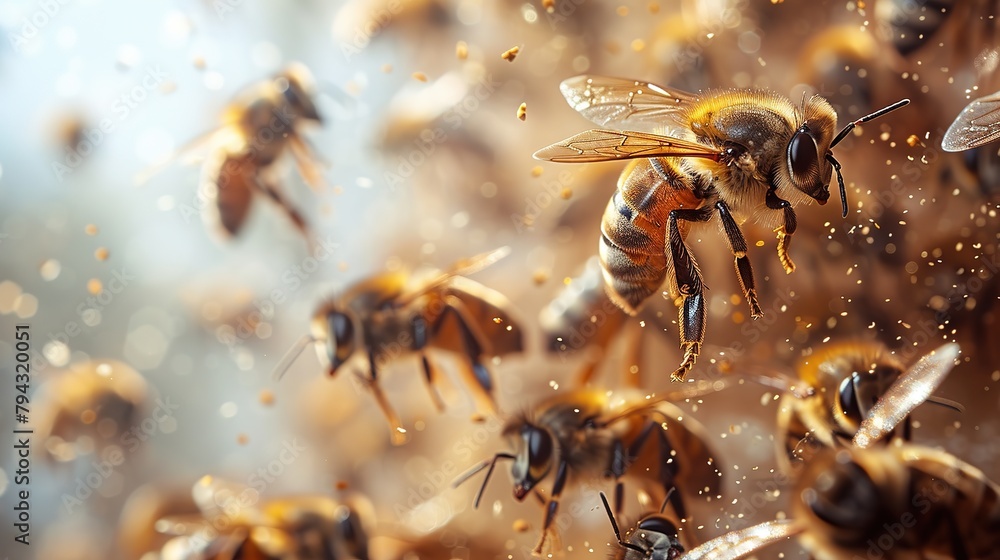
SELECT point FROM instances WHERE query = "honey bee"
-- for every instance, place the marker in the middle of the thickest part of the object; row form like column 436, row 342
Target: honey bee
column 910, row 24
column 257, row 128
column 736, row 154
column 590, row 434
column 976, row 125
column 654, row 537
column 389, row 315
column 235, row 525
column 894, row 503
column 93, row 404
column 856, row 391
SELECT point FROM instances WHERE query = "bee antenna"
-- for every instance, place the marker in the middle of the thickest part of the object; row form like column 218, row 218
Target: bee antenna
column 614, row 525
column 666, row 500
column 290, row 356
column 850, row 126
column 840, row 182
column 491, row 463
column 947, row 403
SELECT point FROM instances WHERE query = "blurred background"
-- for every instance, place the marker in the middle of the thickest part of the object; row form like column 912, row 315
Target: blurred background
column 422, row 159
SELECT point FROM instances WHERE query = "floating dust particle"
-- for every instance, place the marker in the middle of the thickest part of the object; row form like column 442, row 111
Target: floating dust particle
column 521, row 526
column 199, row 62
column 477, row 418
column 912, row 140
column 242, row 439
column 510, row 54
column 637, row 45
column 654, row 7
column 537, row 171
column 387, row 68
column 266, row 397
column 540, row 277
column 734, row 299
column 622, row 11
column 566, row 193
column 342, row 485
column 777, row 1
column 94, row 286
column 759, row 243
column 461, row 50
column 88, row 416
column 549, row 5
column 91, row 229
column 738, row 317
column 735, row 430
column 884, row 136
column 613, row 47
column 101, row 254
column 342, row 266
column 420, row 76
column 567, row 281
column 522, row 111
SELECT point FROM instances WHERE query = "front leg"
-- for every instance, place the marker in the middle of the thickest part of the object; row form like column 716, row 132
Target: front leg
column 738, row 246
column 553, row 506
column 396, row 431
column 688, row 277
column 785, row 231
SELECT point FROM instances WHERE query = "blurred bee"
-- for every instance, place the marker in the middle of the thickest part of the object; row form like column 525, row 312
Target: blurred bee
column 910, row 24
column 235, row 525
column 389, row 315
column 740, row 154
column 94, row 403
column 654, row 537
column 257, row 128
column 895, row 503
column 591, row 434
column 856, row 391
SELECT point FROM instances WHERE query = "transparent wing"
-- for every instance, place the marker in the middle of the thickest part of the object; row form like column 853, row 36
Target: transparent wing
column 611, row 145
column 462, row 267
column 977, row 124
column 738, row 544
column 610, row 101
column 907, row 393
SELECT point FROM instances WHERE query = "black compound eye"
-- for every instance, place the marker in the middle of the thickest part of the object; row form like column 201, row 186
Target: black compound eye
column 657, row 524
column 802, row 155
column 539, row 447
column 342, row 329
column 849, row 399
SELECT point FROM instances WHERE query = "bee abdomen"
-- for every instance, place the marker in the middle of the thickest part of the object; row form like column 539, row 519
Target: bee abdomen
column 631, row 276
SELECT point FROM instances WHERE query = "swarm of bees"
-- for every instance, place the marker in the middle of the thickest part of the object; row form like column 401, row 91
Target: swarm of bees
column 857, row 477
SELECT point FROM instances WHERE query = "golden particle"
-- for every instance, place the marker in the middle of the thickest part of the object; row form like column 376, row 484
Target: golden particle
column 622, row 11
column 912, row 140
column 199, row 62
column 539, row 277
column 522, row 111
column 521, row 526
column 654, row 7
column 638, row 45
column 94, row 286
column 510, row 54
column 242, row 439
column 462, row 50
column 549, row 5
column 420, row 76
column 88, row 416
column 101, row 254
column 537, row 171
column 342, row 485
column 477, row 418
column 566, row 193
column 266, row 397
column 91, row 229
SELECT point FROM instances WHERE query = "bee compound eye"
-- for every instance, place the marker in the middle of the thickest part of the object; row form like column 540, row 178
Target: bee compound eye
column 803, row 158
column 657, row 524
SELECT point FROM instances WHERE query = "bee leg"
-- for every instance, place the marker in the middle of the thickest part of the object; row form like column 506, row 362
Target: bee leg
column 430, row 373
column 738, row 246
column 785, row 231
column 473, row 344
column 689, row 284
column 300, row 224
column 553, row 506
column 668, row 470
column 396, row 431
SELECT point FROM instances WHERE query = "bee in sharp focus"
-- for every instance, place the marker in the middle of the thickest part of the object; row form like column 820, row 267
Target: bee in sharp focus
column 389, row 315
column 856, row 391
column 740, row 154
column 236, row 525
column 592, row 434
column 896, row 503
column 97, row 401
column 260, row 125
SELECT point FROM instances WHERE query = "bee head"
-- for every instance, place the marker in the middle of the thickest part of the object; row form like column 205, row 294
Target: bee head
column 657, row 537
column 859, row 392
column 806, row 165
column 336, row 329
column 296, row 84
column 534, row 455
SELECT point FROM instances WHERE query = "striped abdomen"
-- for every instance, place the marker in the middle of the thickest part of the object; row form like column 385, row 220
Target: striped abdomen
column 634, row 228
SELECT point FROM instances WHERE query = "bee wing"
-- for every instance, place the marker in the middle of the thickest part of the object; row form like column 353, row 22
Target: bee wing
column 213, row 495
column 907, row 393
column 501, row 331
column 738, row 544
column 977, row 124
column 181, row 524
column 612, row 145
column 462, row 267
column 609, row 101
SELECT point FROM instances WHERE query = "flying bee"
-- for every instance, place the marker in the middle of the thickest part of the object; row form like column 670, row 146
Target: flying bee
column 734, row 154
column 856, row 391
column 895, row 503
column 95, row 401
column 591, row 434
column 388, row 315
column 258, row 127
column 235, row 524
